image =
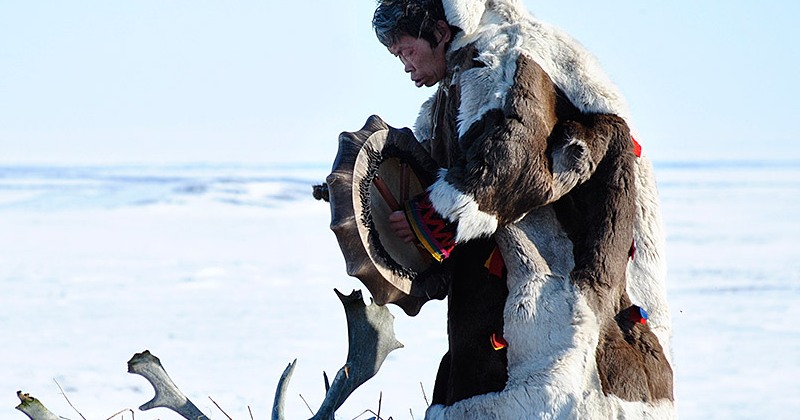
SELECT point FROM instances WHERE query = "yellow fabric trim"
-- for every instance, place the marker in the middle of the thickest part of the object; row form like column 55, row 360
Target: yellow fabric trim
column 428, row 247
column 488, row 263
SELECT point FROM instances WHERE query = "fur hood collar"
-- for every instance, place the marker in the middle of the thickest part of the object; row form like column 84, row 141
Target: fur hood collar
column 466, row 14
column 469, row 14
column 504, row 29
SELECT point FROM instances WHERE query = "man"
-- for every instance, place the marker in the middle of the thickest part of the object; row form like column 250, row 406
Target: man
column 476, row 360
column 537, row 157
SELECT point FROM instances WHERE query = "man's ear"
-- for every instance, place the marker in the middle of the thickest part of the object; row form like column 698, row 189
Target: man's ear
column 443, row 33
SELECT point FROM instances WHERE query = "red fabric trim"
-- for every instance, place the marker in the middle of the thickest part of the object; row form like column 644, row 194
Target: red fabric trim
column 495, row 263
column 432, row 230
column 498, row 342
column 637, row 148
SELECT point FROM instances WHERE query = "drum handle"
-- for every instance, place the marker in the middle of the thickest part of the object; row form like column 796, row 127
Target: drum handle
column 386, row 193
column 388, row 197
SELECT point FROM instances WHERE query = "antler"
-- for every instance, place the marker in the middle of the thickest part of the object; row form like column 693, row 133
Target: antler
column 280, row 393
column 145, row 364
column 167, row 394
column 370, row 331
column 33, row 408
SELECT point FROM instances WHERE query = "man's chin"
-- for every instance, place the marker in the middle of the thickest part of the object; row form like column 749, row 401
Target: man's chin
column 423, row 83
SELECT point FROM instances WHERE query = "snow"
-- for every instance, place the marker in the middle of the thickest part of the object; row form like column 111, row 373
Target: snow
column 226, row 273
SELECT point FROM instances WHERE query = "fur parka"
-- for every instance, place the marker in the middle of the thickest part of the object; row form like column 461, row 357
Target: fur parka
column 548, row 171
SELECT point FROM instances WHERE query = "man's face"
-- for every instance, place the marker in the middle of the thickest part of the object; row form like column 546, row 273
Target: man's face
column 426, row 64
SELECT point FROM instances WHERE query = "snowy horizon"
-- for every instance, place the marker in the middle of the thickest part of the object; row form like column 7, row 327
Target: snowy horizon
column 155, row 193
column 226, row 273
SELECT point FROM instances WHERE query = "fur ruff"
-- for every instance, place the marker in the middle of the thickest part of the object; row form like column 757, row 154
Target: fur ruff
column 507, row 30
column 457, row 206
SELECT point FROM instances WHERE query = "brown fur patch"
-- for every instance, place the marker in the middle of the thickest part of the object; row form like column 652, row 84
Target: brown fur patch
column 599, row 216
column 519, row 133
column 631, row 362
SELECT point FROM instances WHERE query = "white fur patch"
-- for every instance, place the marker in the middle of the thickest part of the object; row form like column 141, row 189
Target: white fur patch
column 423, row 127
column 573, row 69
column 486, row 88
column 464, row 14
column 457, row 206
column 534, row 403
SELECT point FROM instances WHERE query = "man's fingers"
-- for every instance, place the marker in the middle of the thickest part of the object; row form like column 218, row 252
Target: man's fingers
column 400, row 226
column 397, row 216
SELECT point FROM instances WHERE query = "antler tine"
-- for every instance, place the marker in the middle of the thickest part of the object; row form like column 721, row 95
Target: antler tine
column 167, row 393
column 280, row 393
column 33, row 408
column 370, row 331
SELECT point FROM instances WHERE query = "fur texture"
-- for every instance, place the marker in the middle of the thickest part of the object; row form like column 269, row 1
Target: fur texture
column 564, row 315
column 552, row 332
column 476, row 301
column 455, row 205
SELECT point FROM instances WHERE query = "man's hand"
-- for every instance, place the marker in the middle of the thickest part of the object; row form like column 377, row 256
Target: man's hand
column 400, row 226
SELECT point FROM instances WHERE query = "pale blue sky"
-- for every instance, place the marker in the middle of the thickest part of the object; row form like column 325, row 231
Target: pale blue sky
column 266, row 81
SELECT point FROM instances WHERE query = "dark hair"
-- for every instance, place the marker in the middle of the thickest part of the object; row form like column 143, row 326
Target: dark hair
column 416, row 18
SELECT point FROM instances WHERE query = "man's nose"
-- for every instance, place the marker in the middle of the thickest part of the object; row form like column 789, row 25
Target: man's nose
column 407, row 66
